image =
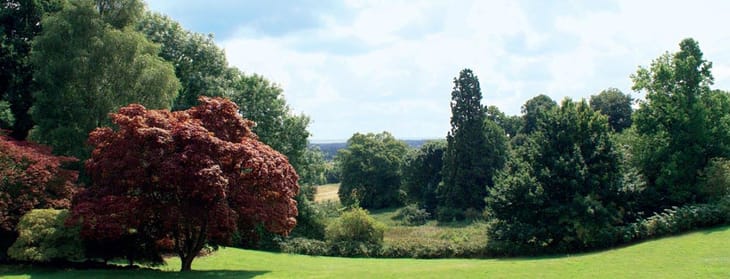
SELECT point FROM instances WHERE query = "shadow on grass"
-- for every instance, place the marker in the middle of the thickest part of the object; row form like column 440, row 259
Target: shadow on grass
column 721, row 228
column 36, row 273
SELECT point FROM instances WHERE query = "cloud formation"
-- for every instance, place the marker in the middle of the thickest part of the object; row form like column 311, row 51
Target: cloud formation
column 371, row 66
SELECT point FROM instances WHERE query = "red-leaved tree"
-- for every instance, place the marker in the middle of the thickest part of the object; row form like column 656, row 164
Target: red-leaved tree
column 30, row 177
column 186, row 178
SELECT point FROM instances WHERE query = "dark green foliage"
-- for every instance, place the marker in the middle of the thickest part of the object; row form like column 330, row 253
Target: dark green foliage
column 717, row 105
column 355, row 233
column 306, row 246
column 475, row 148
column 560, row 190
column 86, row 68
column 20, row 22
column 616, row 106
column 511, row 124
column 675, row 220
column 411, row 215
column 422, row 174
column 7, row 120
column 371, row 170
column 420, row 250
column 675, row 139
column 715, row 179
column 535, row 109
column 44, row 236
column 311, row 221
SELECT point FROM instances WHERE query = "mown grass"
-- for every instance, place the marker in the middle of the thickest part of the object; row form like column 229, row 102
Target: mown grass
column 701, row 254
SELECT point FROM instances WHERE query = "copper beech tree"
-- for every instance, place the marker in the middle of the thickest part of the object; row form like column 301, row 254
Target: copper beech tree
column 185, row 178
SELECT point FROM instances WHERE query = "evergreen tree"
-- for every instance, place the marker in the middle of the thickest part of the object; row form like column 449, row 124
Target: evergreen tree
column 20, row 23
column 471, row 157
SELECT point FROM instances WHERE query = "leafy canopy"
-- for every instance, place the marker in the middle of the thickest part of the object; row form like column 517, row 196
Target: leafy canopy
column 86, row 66
column 371, row 170
column 675, row 138
column 191, row 177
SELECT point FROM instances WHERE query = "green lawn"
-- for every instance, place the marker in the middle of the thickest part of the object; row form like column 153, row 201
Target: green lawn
column 702, row 254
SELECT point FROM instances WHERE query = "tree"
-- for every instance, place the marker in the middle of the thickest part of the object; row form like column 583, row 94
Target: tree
column 199, row 63
column 262, row 102
column 312, row 170
column 20, row 23
column 616, row 106
column 86, row 68
column 533, row 109
column 422, row 174
column 474, row 149
column 191, row 177
column 371, row 170
column 672, row 126
column 511, row 124
column 30, row 177
column 559, row 193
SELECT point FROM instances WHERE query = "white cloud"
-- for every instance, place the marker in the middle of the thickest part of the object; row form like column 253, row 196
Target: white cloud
column 396, row 73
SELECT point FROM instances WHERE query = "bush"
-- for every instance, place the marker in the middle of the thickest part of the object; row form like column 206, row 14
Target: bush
column 716, row 179
column 305, row 246
column 355, row 233
column 43, row 237
column 448, row 214
column 310, row 221
column 506, row 239
column 411, row 215
column 432, row 250
column 355, row 225
column 677, row 220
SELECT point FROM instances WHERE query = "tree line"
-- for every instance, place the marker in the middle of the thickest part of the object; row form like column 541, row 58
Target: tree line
column 564, row 176
column 172, row 173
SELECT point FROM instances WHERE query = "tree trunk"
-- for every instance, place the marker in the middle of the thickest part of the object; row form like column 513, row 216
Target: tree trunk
column 186, row 262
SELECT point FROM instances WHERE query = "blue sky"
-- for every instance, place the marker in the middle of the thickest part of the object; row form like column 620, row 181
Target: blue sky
column 372, row 66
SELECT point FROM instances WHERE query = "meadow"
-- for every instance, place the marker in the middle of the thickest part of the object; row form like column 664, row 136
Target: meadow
column 700, row 254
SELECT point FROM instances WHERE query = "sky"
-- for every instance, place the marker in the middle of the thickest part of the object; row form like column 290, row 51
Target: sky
column 370, row 66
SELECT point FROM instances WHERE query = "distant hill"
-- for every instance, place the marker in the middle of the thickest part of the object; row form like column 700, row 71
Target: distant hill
column 330, row 148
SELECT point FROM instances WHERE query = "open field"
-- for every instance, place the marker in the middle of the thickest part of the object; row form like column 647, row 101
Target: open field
column 327, row 192
column 701, row 254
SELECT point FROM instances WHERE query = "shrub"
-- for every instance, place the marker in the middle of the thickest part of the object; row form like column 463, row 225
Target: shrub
column 355, row 225
column 411, row 215
column 448, row 214
column 305, row 246
column 432, row 250
column 355, row 233
column 43, row 237
column 330, row 209
column 716, row 179
column 310, row 221
column 677, row 220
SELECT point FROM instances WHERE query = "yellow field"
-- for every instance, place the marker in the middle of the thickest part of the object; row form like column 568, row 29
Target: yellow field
column 327, row 192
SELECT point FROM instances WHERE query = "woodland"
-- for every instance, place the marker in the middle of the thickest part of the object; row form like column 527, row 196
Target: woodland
column 126, row 139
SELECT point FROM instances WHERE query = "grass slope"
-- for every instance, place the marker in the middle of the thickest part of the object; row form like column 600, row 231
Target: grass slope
column 702, row 254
